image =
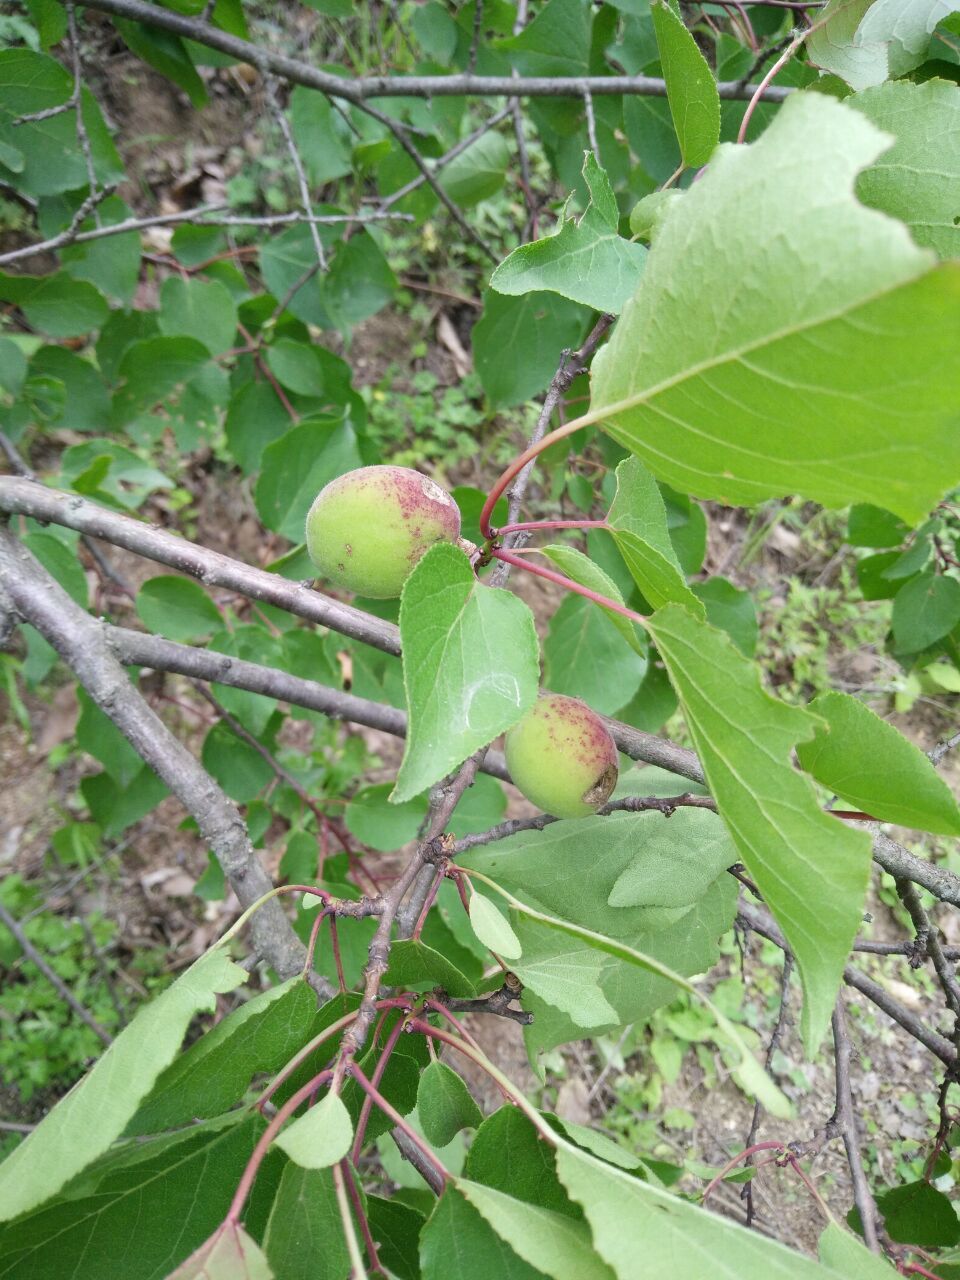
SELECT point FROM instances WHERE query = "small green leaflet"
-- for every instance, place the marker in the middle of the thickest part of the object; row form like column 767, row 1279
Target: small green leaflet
column 847, row 1254
column 925, row 610
column 811, row 869
column 229, row 1254
column 638, row 524
column 492, row 929
column 413, row 963
column 304, row 1236
column 98, row 1109
column 321, row 1137
column 838, row 379
column 471, row 666
column 177, row 608
column 678, row 861
column 568, row 980
column 586, row 261
column 445, row 1105
column 872, row 765
column 868, row 41
column 691, row 88
column 582, row 569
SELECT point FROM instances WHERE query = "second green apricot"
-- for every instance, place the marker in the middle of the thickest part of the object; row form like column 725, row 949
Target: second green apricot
column 562, row 757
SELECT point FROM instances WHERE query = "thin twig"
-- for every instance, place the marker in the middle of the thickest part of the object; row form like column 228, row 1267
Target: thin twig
column 870, row 1217
column 783, row 1017
column 442, row 161
column 928, row 943
column 76, row 100
column 591, row 122
column 293, row 151
column 32, row 954
column 938, row 752
column 571, row 364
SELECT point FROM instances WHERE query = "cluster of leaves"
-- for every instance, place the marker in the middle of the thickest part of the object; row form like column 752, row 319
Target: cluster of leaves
column 789, row 330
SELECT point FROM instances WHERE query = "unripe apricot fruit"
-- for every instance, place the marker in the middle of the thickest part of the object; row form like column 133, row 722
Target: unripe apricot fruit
column 562, row 757
column 367, row 529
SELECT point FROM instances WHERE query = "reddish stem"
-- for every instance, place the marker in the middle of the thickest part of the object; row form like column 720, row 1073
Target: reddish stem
column 357, row 1206
column 312, row 944
column 569, row 585
column 457, row 878
column 428, row 903
column 735, row 1160
column 375, row 1079
column 335, row 943
column 454, row 1021
column 389, row 1110
column 915, row 1269
column 517, row 466
column 535, row 525
column 268, row 1135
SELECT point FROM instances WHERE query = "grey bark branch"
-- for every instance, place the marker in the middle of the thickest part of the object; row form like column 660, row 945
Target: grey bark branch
column 27, row 497
column 361, row 88
column 80, row 642
column 846, row 1120
column 760, row 921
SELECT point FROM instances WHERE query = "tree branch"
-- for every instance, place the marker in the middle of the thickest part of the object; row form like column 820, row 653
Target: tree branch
column 846, row 1120
column 80, row 642
column 361, row 88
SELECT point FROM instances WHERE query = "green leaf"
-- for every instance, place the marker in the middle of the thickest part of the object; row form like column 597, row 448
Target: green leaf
column 13, row 366
column 113, row 263
column 256, row 417
column 97, row 1110
column 213, row 1074
column 691, row 88
column 868, row 41
column 396, row 1228
column 177, row 608
column 574, row 564
column 676, row 861
column 201, row 309
column 62, row 565
column 557, row 1244
column 321, row 1137
column 638, row 523
column 58, row 305
column 925, row 610
column 916, row 1213
column 871, row 764
column 587, row 261
column 435, row 31
column 189, row 1180
column 51, row 160
column 412, row 964
column 86, row 403
column 918, row 179
column 357, row 284
column 844, row 1253
column 239, row 768
column 445, row 1105
column 151, row 369
column 315, row 128
column 296, row 467
column 166, row 53
column 731, row 610
column 517, row 343
column 567, row 978
column 869, row 526
column 457, row 1241
column 584, row 656
column 555, row 43
column 99, row 737
column 811, row 869
column 229, row 1254
column 470, row 666
column 843, row 393
column 631, row 1219
column 493, row 929
column 310, row 370
column 508, row 1154
column 304, row 1238
column 478, row 173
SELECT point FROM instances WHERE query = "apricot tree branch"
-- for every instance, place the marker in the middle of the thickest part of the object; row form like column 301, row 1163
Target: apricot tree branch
column 360, row 88
column 79, row 640
column 846, row 1121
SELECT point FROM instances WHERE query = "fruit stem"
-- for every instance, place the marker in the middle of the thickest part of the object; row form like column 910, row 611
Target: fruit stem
column 569, row 585
column 528, row 455
column 535, row 525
